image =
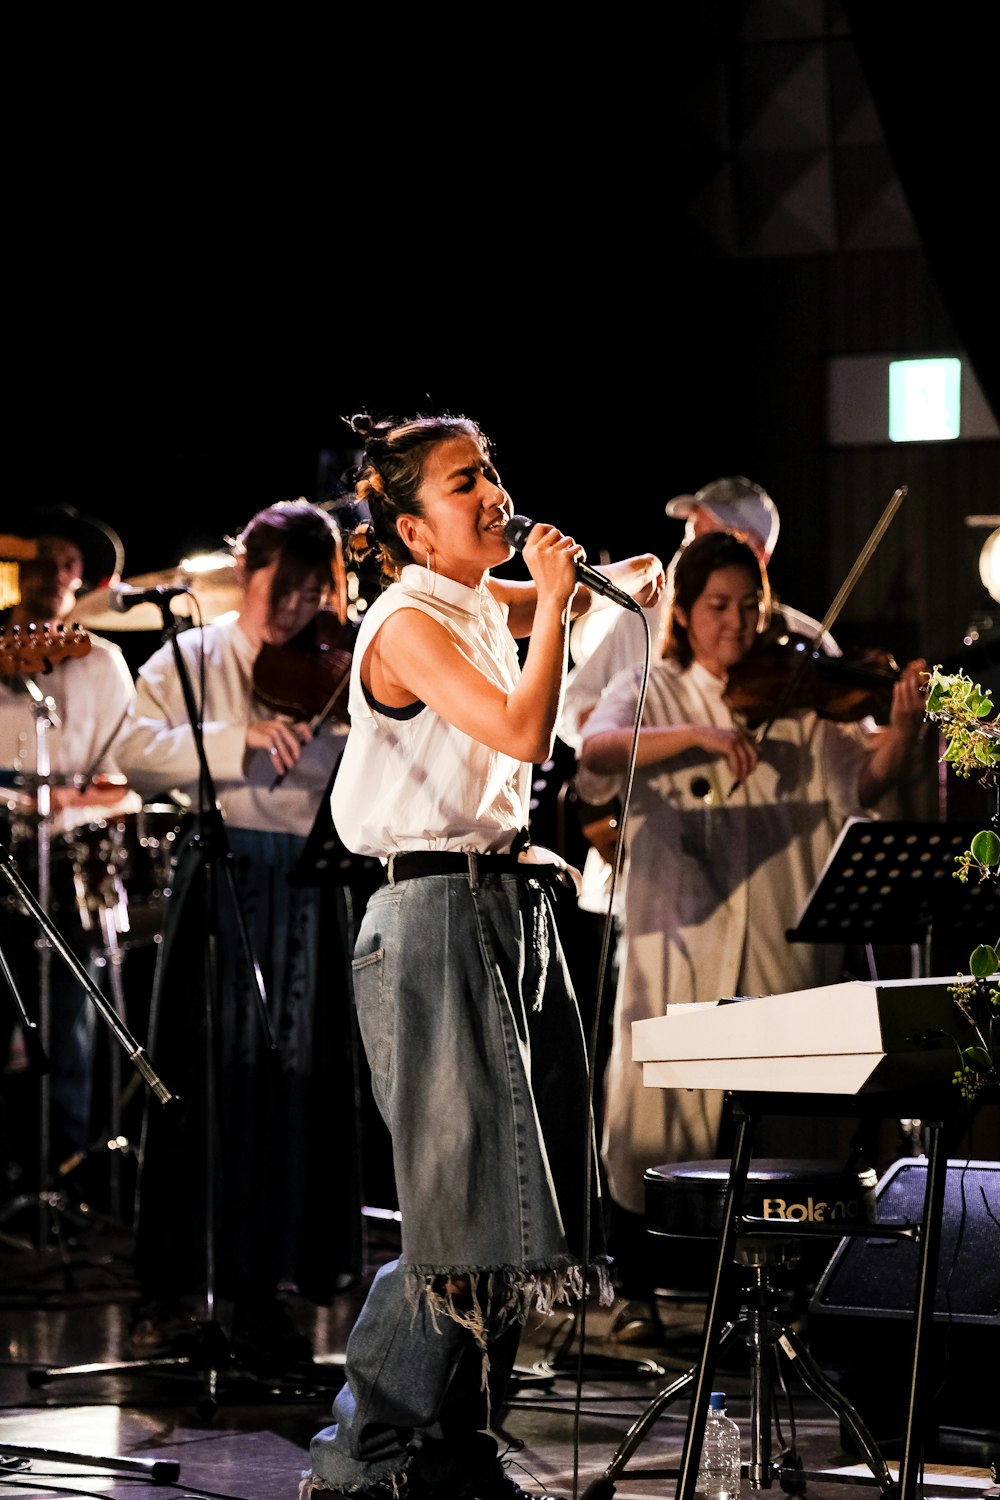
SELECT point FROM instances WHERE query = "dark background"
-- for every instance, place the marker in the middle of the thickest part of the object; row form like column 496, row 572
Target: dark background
column 627, row 243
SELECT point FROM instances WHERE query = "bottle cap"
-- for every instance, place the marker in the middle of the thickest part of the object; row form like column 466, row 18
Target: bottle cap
column 717, row 1400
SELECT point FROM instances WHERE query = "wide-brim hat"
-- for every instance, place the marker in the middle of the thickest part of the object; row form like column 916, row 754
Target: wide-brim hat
column 99, row 544
column 737, row 504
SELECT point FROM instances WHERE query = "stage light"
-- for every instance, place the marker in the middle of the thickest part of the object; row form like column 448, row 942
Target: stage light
column 989, row 564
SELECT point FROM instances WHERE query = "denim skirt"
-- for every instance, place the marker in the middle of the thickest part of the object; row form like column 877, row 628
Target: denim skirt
column 479, row 1067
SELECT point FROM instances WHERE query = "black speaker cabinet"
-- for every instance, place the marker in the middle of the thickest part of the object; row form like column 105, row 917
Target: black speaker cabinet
column 861, row 1315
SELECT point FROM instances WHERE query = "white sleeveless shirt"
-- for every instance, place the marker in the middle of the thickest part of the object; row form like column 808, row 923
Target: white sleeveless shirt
column 409, row 779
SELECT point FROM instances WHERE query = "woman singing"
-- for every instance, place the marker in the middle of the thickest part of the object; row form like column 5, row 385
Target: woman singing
column 466, row 1010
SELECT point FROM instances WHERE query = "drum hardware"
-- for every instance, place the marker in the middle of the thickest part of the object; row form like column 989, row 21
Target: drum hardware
column 35, row 1033
column 38, row 1035
column 114, row 875
column 122, row 862
column 81, row 873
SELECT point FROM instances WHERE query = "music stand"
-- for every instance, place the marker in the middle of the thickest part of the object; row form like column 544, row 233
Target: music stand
column 326, row 859
column 895, row 883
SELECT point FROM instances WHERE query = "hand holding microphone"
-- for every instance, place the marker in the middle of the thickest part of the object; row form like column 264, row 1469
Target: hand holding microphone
column 516, row 533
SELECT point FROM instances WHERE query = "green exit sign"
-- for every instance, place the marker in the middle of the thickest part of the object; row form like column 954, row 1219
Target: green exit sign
column 925, row 400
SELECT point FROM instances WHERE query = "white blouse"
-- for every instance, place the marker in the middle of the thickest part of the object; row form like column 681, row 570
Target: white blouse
column 412, row 780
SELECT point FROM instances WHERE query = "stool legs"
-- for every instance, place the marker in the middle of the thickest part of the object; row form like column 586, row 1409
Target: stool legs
column 601, row 1487
column 812, row 1376
column 764, row 1336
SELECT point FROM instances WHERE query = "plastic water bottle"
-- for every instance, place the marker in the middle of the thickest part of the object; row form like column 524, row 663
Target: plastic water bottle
column 719, row 1469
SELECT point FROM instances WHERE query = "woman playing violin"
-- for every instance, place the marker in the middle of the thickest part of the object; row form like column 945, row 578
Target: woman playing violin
column 725, row 840
column 279, row 1113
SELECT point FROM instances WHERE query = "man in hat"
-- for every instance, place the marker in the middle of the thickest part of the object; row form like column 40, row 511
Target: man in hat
column 70, row 716
column 732, row 504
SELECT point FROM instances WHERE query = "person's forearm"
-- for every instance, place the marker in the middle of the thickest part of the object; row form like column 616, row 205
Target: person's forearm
column 534, row 704
column 887, row 762
column 641, row 578
column 608, row 753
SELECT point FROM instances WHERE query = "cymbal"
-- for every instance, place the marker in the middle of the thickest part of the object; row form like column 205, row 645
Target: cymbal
column 211, row 579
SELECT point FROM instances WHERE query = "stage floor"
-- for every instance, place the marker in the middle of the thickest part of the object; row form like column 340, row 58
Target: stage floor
column 239, row 1439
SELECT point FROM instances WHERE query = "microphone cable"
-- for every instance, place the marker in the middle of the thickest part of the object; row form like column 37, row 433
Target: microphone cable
column 590, row 1166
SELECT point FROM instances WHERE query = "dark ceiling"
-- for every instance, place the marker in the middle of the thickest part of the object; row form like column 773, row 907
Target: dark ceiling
column 541, row 230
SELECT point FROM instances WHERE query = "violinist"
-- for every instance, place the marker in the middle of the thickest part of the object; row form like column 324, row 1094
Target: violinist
column 283, row 1115
column 733, row 503
column 91, row 695
column 726, row 838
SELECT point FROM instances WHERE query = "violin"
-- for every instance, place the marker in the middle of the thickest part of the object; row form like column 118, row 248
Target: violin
column 783, row 671
column 25, row 649
column 307, row 677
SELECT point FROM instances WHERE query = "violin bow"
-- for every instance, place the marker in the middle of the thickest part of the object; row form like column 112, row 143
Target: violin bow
column 327, row 708
column 863, row 559
column 843, row 593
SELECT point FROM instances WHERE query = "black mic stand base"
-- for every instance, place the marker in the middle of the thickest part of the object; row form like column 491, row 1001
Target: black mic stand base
column 159, row 1470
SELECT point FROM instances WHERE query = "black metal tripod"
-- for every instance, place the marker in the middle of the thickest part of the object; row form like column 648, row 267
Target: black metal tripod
column 158, row 1470
column 210, row 867
column 748, row 1109
column 767, row 1335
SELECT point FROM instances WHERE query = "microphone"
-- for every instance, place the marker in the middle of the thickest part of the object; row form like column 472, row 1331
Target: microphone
column 123, row 597
column 516, row 534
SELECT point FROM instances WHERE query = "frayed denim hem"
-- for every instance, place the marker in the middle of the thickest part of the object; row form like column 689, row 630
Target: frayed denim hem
column 490, row 1301
column 396, row 1486
column 487, row 1303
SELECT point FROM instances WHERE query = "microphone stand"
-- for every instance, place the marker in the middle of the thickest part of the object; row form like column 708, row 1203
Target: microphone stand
column 38, row 1037
column 216, row 855
column 36, row 1044
column 212, row 1349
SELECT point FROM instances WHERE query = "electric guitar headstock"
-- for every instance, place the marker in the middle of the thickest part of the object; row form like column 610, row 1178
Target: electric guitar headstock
column 25, row 649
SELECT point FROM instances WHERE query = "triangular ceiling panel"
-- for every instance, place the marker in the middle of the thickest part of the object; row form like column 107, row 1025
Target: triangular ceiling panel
column 801, row 221
column 764, row 75
column 782, row 20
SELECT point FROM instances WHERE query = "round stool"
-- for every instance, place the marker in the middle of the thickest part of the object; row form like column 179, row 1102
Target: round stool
column 684, row 1199
column 799, row 1202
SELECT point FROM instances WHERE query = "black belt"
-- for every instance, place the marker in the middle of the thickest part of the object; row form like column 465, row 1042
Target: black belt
column 449, row 862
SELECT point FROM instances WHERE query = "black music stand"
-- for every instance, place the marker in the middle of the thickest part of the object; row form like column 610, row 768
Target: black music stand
column 327, row 864
column 897, row 883
column 326, row 859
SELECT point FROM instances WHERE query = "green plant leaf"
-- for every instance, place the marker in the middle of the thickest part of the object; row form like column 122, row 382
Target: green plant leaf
column 978, row 1059
column 983, row 961
column 986, row 847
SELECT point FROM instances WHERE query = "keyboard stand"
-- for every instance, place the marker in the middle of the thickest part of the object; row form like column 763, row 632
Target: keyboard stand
column 764, row 1334
column 748, row 1109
